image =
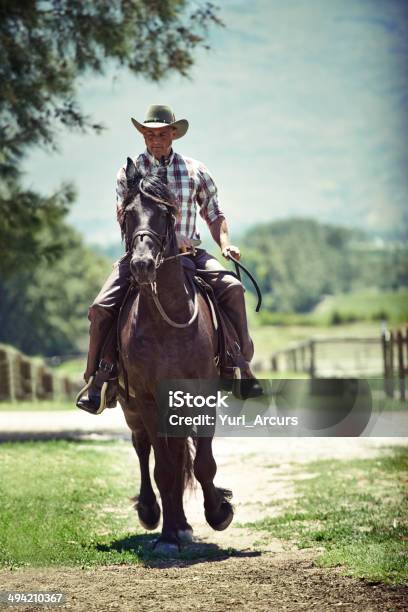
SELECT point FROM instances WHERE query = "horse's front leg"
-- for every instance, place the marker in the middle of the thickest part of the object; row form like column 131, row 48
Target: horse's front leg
column 164, row 474
column 218, row 510
column 146, row 504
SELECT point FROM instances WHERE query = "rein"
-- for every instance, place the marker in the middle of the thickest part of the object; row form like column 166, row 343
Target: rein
column 162, row 240
column 237, row 275
column 239, row 265
column 165, row 316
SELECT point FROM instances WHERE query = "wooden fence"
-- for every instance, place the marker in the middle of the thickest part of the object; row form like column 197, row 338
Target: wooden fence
column 330, row 356
column 395, row 358
column 27, row 379
column 383, row 356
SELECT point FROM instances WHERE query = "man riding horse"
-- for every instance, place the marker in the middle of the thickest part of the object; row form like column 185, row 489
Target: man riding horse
column 192, row 186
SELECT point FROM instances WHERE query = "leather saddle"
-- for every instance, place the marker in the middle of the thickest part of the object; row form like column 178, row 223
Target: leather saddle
column 229, row 355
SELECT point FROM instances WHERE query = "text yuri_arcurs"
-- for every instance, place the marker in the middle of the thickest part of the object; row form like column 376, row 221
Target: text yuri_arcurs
column 233, row 420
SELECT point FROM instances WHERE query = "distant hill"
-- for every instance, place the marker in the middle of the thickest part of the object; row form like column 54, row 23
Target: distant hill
column 299, row 261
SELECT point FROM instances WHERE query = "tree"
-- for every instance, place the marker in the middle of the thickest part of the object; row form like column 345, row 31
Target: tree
column 44, row 46
column 297, row 261
column 43, row 311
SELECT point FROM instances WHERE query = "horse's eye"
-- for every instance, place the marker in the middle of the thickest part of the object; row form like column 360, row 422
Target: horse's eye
column 163, row 209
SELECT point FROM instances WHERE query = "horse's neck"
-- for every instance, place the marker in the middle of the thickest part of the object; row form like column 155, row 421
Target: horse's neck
column 173, row 292
column 171, row 281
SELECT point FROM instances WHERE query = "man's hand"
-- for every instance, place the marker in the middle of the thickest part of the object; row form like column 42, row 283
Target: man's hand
column 231, row 250
column 219, row 231
column 183, row 243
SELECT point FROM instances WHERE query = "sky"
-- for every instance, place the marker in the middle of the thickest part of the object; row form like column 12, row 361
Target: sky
column 298, row 110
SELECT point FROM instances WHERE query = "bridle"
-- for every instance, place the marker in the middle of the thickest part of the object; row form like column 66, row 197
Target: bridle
column 162, row 241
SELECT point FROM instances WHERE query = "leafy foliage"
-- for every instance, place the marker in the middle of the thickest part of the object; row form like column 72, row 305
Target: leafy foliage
column 299, row 261
column 44, row 46
column 43, row 311
column 24, row 215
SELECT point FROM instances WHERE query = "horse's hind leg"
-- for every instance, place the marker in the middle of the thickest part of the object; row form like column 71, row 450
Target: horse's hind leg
column 146, row 504
column 218, row 510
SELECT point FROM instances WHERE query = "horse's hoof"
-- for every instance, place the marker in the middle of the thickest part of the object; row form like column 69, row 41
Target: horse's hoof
column 186, row 535
column 149, row 516
column 227, row 514
column 169, row 549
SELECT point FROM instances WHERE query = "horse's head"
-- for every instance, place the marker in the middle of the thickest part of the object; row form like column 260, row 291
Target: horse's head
column 150, row 211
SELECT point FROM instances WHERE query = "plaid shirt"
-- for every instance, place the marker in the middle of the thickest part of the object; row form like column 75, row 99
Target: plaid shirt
column 190, row 182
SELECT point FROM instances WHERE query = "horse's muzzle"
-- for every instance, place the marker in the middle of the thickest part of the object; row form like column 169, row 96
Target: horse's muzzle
column 143, row 270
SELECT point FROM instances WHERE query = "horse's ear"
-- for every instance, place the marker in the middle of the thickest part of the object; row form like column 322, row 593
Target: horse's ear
column 131, row 171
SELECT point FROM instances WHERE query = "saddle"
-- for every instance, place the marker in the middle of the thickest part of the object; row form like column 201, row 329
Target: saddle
column 229, row 356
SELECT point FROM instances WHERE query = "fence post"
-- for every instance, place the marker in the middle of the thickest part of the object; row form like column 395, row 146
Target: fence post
column 274, row 364
column 12, row 387
column 312, row 370
column 302, row 358
column 406, row 347
column 385, row 341
column 401, row 369
column 391, row 373
column 295, row 369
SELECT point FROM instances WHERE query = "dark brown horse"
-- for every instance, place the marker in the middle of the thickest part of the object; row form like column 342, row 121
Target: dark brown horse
column 165, row 332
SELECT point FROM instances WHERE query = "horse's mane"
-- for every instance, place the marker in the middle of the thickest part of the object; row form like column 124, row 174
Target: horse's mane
column 152, row 187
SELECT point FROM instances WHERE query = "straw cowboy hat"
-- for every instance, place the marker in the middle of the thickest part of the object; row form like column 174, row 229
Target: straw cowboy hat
column 158, row 116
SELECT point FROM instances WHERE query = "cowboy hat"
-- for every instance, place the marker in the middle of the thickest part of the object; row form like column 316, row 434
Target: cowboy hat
column 158, row 116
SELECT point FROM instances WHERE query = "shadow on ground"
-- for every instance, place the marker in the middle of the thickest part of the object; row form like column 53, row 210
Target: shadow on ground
column 190, row 554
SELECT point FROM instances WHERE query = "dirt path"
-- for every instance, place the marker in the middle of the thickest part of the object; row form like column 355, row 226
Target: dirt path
column 262, row 573
column 268, row 582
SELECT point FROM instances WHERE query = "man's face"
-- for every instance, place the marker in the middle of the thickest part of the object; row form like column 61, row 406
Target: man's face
column 158, row 140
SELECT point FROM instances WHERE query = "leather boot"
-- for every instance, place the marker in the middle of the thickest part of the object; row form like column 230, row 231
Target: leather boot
column 102, row 390
column 241, row 381
column 250, row 385
column 102, row 338
column 232, row 302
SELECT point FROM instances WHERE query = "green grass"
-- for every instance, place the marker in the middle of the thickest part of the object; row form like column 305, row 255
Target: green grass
column 68, row 504
column 366, row 304
column 46, row 405
column 271, row 338
column 74, row 368
column 357, row 511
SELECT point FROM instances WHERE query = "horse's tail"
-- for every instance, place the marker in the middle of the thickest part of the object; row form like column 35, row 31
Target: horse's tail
column 189, row 454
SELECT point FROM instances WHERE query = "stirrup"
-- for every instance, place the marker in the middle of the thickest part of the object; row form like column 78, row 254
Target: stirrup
column 102, row 403
column 239, row 383
column 231, row 377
